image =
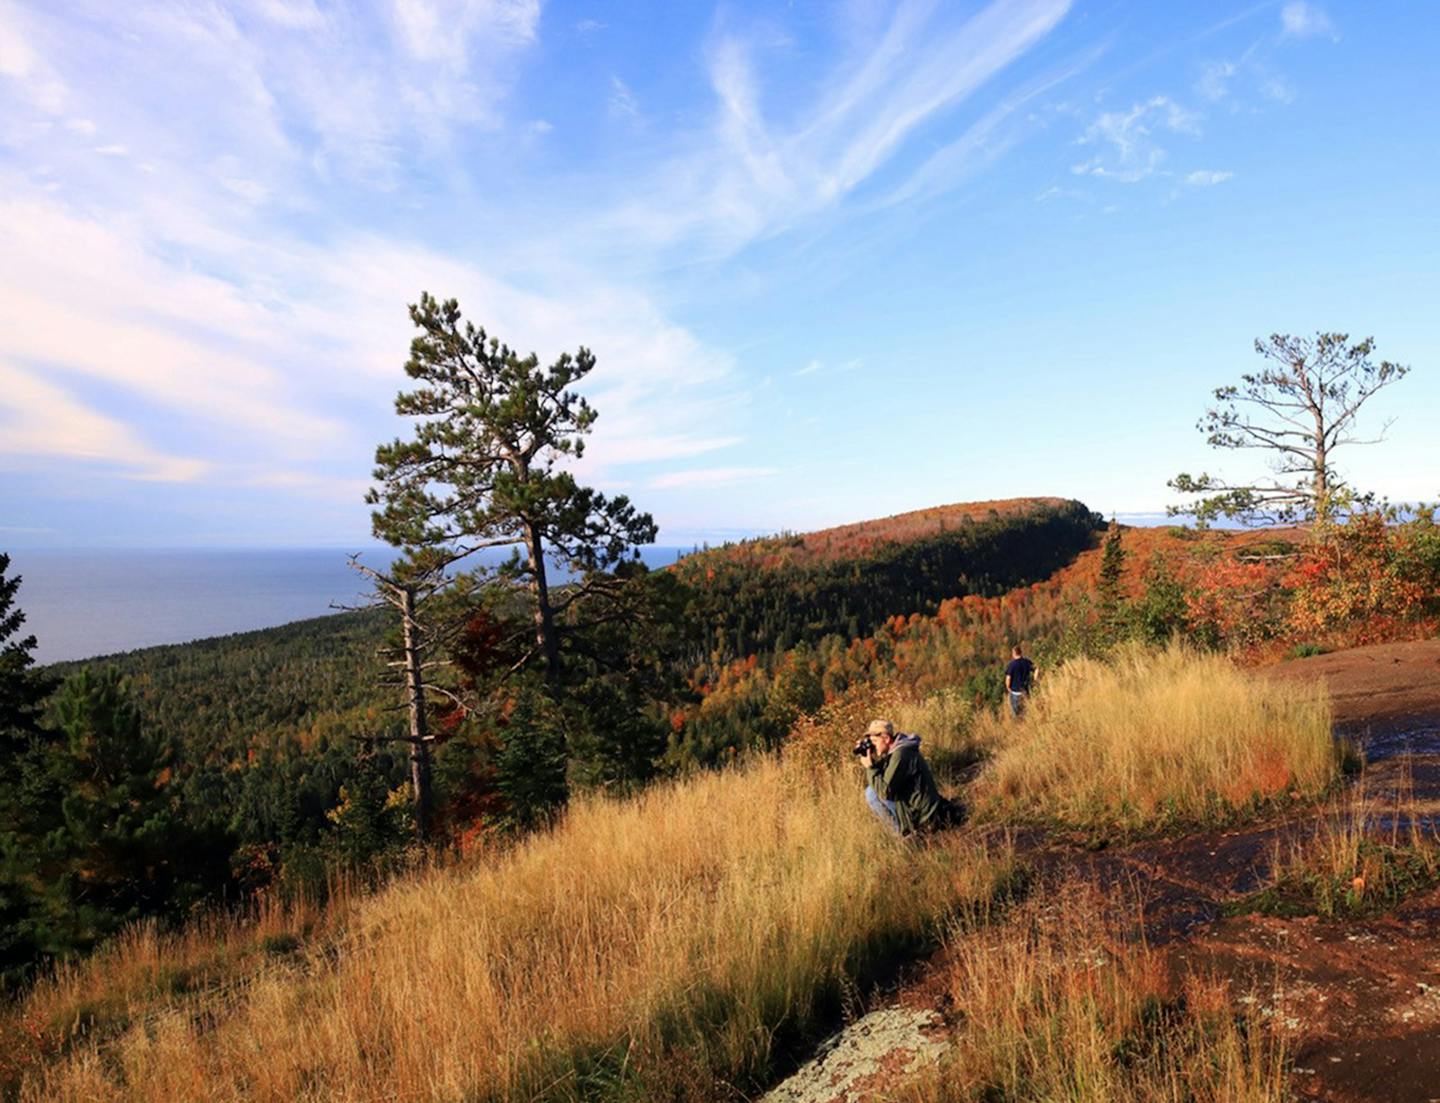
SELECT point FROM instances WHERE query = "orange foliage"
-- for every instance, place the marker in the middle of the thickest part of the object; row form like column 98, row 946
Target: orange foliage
column 1365, row 576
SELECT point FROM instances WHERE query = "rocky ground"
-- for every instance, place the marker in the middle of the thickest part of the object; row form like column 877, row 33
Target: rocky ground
column 1358, row 1000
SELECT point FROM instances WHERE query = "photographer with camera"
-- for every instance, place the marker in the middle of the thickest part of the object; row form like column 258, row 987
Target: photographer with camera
column 900, row 789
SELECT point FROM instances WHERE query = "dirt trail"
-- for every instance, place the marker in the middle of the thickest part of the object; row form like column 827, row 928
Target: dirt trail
column 1377, row 690
column 1359, row 999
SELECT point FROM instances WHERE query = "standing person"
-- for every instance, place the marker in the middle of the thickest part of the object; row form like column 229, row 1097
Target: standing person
column 900, row 789
column 1019, row 673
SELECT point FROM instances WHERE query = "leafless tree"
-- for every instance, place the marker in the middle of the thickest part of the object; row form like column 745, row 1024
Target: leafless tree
column 1300, row 409
column 410, row 666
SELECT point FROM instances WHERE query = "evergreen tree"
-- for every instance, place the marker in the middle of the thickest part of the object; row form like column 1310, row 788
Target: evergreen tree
column 99, row 838
column 23, row 691
column 483, row 468
column 1110, row 593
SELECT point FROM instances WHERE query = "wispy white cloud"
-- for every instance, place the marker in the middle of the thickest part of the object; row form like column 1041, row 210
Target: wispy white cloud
column 751, row 175
column 622, row 104
column 1129, row 151
column 292, row 14
column 1278, row 89
column 162, row 288
column 815, row 367
column 1302, row 20
column 38, row 418
column 711, row 477
column 296, row 361
column 1207, row 178
column 445, row 31
column 1214, row 82
column 23, row 66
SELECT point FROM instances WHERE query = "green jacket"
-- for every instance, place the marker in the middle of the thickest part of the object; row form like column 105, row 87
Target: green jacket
column 904, row 777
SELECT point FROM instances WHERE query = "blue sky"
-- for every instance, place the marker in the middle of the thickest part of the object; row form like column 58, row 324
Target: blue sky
column 836, row 260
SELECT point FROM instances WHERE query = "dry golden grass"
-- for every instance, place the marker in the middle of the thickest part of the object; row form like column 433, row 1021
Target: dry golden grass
column 1154, row 738
column 1063, row 1001
column 659, row 944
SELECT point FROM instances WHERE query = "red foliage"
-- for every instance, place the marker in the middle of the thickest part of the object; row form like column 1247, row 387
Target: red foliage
column 1362, row 576
column 1237, row 601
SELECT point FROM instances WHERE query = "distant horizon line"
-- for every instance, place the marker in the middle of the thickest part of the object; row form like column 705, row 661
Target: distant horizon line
column 1137, row 519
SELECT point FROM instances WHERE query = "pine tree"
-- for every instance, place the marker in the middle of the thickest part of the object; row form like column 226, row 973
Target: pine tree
column 1299, row 410
column 1110, row 593
column 23, row 690
column 483, row 469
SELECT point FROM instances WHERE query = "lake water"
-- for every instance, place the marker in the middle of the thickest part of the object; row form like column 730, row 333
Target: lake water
column 84, row 603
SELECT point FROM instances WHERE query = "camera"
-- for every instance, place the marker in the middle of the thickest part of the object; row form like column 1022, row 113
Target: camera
column 864, row 747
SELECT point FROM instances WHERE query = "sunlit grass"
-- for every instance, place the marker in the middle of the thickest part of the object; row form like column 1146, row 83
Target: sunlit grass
column 1155, row 738
column 1063, row 1001
column 675, row 938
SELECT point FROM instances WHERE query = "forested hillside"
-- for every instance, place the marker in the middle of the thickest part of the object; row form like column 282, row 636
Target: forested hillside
column 770, row 594
column 299, row 684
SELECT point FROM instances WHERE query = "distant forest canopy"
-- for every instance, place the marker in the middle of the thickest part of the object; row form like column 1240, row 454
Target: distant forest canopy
column 295, row 686
column 310, row 685
column 768, row 595
column 859, row 539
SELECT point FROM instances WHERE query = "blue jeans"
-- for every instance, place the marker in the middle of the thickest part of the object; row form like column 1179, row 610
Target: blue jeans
column 884, row 809
column 1017, row 702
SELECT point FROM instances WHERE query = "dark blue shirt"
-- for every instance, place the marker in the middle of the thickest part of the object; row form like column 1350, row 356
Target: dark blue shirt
column 1019, row 672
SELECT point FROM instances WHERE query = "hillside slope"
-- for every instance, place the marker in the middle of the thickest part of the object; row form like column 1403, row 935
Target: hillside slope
column 765, row 596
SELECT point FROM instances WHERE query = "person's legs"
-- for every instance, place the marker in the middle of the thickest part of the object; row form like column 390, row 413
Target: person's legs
column 884, row 809
column 1017, row 703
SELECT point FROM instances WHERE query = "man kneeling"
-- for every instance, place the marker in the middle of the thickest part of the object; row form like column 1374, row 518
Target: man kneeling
column 899, row 786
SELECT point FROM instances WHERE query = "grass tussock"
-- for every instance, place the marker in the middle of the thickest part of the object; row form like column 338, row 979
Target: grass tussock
column 660, row 946
column 1151, row 739
column 1363, row 856
column 1064, row 1001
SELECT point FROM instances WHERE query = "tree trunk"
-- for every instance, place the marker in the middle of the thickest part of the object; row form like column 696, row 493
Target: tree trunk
column 415, row 695
column 545, row 635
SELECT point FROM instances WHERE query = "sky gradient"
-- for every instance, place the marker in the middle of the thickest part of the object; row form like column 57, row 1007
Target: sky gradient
column 836, row 261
